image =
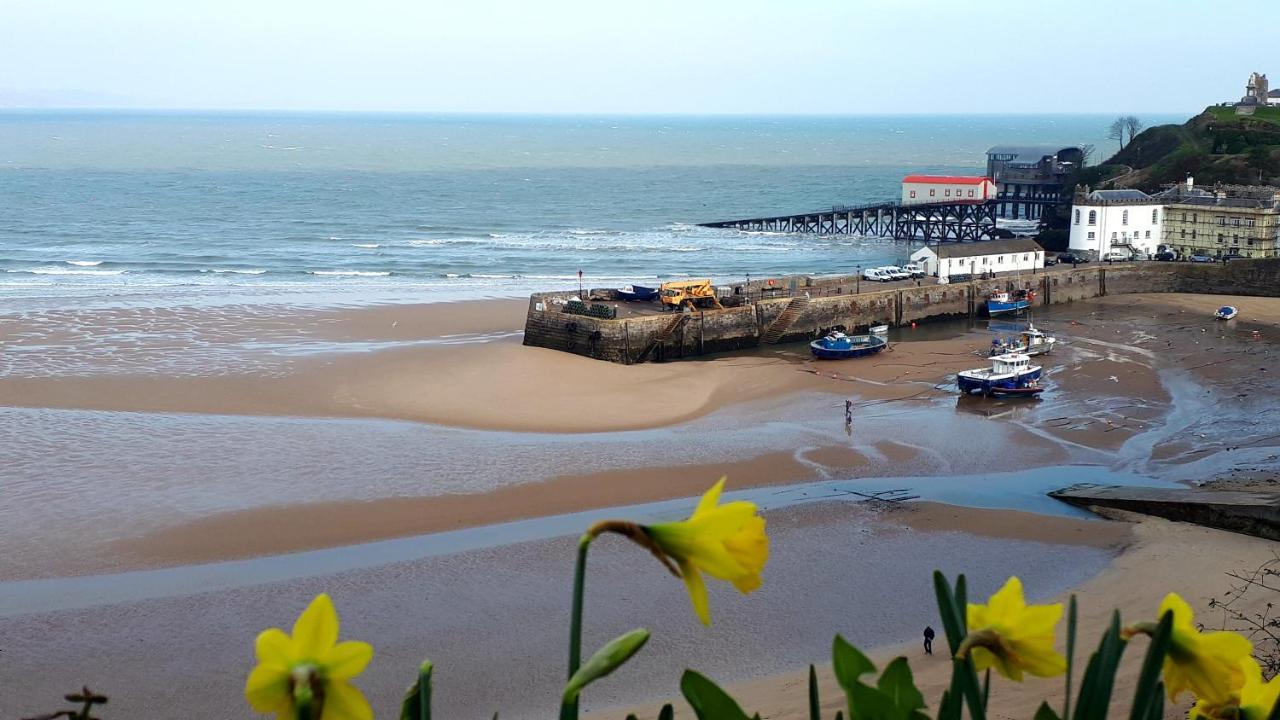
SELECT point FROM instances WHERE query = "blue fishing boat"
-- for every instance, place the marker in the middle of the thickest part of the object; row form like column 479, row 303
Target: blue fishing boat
column 1003, row 303
column 1226, row 312
column 637, row 293
column 1010, row 374
column 838, row 346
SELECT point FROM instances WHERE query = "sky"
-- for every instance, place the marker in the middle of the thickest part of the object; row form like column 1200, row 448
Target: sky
column 634, row 56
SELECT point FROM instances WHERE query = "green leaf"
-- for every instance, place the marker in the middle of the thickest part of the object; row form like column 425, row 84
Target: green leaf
column 1099, row 676
column 849, row 663
column 667, row 712
column 951, row 624
column 417, row 699
column 898, row 684
column 1071, row 655
column 949, row 707
column 605, row 660
column 815, row 707
column 1045, row 713
column 706, row 698
column 1152, row 664
column 868, row 703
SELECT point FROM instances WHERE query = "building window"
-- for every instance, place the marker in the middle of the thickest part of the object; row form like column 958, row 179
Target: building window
column 1235, row 239
column 1221, row 238
column 1000, row 259
column 1235, row 222
column 970, row 193
column 1222, row 222
column 1184, row 217
column 1193, row 234
column 913, row 193
column 1093, row 217
column 1091, row 234
column 1195, row 217
column 1077, row 217
column 1249, row 222
column 1113, row 237
column 947, row 192
column 1155, row 216
column 932, row 192
column 1184, row 232
column 1148, row 234
column 1249, row 242
column 1124, row 218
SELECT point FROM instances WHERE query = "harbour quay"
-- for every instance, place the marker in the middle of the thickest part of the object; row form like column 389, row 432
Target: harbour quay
column 597, row 324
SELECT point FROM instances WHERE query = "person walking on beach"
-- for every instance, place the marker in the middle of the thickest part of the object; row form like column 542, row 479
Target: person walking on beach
column 928, row 640
column 848, row 411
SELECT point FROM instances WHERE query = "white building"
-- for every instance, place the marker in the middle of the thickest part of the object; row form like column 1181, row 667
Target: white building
column 1105, row 220
column 976, row 258
column 946, row 189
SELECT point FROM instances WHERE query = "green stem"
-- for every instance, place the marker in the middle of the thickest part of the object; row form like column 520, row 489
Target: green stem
column 424, row 691
column 1071, row 656
column 569, row 709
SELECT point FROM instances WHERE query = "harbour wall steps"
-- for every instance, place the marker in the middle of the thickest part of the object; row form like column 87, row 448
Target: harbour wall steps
column 1250, row 513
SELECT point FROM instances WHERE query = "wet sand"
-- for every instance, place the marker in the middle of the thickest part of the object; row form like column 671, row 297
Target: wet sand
column 493, row 620
column 1163, row 557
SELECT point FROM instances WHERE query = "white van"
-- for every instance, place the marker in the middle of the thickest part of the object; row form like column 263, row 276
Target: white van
column 915, row 269
column 875, row 274
column 1116, row 255
column 895, row 273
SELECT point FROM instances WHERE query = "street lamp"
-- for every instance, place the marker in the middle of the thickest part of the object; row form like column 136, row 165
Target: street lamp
column 857, row 280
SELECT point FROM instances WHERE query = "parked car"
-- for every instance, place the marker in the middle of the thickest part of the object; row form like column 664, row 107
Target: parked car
column 1201, row 258
column 1072, row 258
column 875, row 274
column 916, row 270
column 1117, row 255
column 896, row 273
column 1165, row 256
column 1050, row 261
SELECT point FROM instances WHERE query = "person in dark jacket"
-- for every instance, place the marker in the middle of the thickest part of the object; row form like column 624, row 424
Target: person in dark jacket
column 928, row 640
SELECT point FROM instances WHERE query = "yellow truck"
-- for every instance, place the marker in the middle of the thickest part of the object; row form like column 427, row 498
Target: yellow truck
column 694, row 293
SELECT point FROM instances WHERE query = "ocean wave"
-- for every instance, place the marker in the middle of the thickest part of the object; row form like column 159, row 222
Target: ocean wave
column 84, row 263
column 366, row 245
column 232, row 270
column 66, row 271
column 351, row 273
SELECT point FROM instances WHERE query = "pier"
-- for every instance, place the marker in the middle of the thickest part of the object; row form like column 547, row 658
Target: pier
column 928, row 222
column 1251, row 513
column 801, row 308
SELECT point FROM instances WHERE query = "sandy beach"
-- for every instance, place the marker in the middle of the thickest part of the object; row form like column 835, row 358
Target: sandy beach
column 349, row 430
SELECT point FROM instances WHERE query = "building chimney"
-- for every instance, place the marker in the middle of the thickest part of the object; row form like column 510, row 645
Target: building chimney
column 1191, row 182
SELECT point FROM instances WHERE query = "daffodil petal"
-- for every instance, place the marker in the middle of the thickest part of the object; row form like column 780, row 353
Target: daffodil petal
column 1040, row 619
column 347, row 659
column 267, row 689
column 343, row 701
column 697, row 592
column 709, row 499
column 316, row 630
column 272, row 647
column 1008, row 599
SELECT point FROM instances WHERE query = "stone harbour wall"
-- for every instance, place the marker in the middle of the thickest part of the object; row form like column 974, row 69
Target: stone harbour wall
column 641, row 338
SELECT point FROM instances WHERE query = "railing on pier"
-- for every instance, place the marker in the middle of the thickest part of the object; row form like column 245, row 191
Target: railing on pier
column 931, row 222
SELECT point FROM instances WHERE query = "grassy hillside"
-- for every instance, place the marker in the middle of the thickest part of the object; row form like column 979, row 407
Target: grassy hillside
column 1215, row 146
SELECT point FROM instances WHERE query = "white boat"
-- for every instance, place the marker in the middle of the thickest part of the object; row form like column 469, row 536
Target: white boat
column 1226, row 312
column 1029, row 342
column 1009, row 374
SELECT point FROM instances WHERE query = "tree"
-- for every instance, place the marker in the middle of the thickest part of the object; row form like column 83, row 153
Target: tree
column 1116, row 131
column 1132, row 126
column 1086, row 154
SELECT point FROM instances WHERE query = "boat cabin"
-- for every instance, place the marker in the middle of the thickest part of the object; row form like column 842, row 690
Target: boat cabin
column 1012, row 363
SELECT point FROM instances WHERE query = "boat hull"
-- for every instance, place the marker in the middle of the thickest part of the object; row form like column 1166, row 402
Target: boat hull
column 639, row 293
column 996, row 307
column 861, row 346
column 970, row 383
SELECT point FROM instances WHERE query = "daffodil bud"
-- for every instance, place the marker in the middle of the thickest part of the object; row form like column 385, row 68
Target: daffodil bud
column 604, row 661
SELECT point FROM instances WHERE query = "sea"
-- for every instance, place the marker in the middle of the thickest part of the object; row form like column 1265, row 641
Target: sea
column 104, row 209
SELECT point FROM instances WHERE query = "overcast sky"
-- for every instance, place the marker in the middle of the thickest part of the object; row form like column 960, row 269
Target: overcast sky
column 635, row 56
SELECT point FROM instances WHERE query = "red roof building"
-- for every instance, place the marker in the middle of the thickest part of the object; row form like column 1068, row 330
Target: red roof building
column 946, row 189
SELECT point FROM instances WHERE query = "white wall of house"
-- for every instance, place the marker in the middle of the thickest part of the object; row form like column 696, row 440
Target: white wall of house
column 1099, row 228
column 977, row 264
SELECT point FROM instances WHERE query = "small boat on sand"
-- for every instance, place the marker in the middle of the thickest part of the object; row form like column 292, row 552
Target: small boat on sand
column 1011, row 374
column 838, row 346
column 1003, row 303
column 1226, row 312
column 1029, row 342
column 638, row 293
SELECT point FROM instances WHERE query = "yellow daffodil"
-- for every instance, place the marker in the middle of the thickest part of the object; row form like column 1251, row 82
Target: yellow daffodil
column 1013, row 637
column 314, row 656
column 1253, row 701
column 1208, row 664
column 728, row 542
